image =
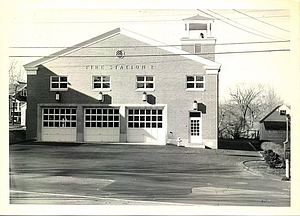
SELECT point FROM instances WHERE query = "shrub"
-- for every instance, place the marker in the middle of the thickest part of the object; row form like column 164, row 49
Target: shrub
column 273, row 159
column 277, row 148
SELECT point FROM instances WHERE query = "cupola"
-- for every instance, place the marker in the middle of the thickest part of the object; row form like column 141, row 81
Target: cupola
column 198, row 36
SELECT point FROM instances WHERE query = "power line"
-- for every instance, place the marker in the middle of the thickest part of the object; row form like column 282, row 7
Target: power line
column 174, row 45
column 261, row 21
column 98, row 21
column 255, row 42
column 244, row 25
column 152, row 55
column 229, row 11
column 122, row 64
column 133, row 21
column 235, row 26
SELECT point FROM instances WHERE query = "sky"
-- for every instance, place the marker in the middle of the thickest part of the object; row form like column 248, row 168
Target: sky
column 54, row 27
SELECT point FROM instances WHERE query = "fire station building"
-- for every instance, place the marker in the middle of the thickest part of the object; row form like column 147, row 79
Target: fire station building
column 121, row 87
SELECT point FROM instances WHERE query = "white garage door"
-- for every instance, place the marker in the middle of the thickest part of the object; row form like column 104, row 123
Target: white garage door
column 145, row 125
column 59, row 124
column 101, row 125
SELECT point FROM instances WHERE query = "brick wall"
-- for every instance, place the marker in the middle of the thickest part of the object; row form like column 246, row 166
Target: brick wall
column 170, row 83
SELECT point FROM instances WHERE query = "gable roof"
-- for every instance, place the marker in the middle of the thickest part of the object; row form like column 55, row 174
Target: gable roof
column 208, row 64
column 273, row 117
column 16, row 87
column 197, row 18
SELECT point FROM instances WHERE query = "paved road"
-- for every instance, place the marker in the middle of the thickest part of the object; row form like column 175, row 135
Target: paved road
column 139, row 175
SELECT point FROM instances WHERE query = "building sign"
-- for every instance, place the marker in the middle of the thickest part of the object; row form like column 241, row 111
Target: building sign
column 119, row 67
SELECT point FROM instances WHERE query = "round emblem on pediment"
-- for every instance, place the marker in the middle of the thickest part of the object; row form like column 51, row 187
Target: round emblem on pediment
column 120, row 54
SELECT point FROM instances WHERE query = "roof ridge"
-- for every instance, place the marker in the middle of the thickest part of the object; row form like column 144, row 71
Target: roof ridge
column 271, row 113
column 198, row 17
column 125, row 32
column 173, row 49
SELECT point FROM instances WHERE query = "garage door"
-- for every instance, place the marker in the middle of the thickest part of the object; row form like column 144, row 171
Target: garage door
column 59, row 124
column 145, row 125
column 101, row 125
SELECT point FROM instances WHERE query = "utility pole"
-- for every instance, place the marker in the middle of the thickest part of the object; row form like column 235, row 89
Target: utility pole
column 287, row 153
column 13, row 110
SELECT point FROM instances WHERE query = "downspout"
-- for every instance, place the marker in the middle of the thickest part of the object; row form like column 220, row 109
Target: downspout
column 287, row 159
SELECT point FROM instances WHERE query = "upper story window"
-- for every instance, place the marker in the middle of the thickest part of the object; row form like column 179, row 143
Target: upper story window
column 101, row 82
column 145, row 83
column 195, row 82
column 282, row 112
column 23, row 92
column 58, row 83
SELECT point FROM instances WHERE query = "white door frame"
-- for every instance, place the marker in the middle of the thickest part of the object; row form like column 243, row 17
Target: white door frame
column 195, row 127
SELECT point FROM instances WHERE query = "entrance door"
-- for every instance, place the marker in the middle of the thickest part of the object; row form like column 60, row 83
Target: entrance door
column 195, row 127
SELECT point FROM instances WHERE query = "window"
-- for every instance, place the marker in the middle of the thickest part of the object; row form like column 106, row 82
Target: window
column 23, row 92
column 195, row 83
column 195, row 114
column 102, row 117
column 145, row 118
column 59, row 83
column 145, row 83
column 282, row 112
column 59, row 117
column 101, row 82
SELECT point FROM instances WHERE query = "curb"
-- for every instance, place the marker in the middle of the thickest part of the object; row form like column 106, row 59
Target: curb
column 253, row 171
column 261, row 173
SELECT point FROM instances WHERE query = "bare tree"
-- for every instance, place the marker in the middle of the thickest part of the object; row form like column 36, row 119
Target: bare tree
column 246, row 97
column 248, row 103
column 269, row 100
column 15, row 72
column 230, row 121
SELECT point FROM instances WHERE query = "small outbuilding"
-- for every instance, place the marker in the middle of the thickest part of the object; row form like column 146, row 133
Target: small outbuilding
column 273, row 127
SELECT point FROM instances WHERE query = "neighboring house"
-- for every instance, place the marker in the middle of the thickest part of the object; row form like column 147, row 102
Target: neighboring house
column 273, row 126
column 23, row 114
column 17, row 99
column 124, row 87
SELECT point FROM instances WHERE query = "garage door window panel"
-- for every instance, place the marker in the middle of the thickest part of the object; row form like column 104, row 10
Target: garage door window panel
column 102, row 117
column 59, row 118
column 141, row 118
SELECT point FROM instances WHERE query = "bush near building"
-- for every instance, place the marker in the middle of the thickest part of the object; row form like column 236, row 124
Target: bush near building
column 273, row 154
column 277, row 148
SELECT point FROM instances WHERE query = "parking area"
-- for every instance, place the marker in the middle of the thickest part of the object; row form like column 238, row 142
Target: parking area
column 65, row 173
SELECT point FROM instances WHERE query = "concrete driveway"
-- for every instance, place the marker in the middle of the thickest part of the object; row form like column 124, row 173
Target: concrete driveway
column 109, row 174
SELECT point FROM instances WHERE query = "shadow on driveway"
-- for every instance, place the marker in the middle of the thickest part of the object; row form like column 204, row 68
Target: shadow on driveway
column 240, row 144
